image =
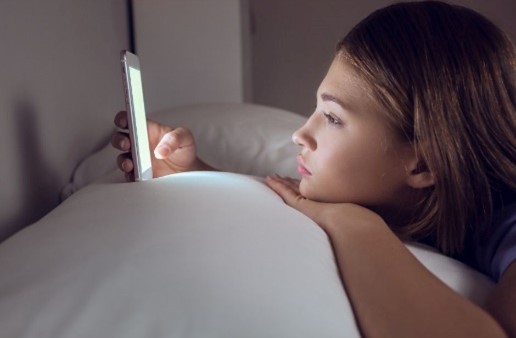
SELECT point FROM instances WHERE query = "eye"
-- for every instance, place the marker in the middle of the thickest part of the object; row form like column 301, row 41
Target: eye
column 332, row 119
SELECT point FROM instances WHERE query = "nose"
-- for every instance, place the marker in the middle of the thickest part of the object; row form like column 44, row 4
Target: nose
column 302, row 137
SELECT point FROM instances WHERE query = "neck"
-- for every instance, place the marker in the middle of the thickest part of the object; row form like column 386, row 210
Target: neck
column 400, row 213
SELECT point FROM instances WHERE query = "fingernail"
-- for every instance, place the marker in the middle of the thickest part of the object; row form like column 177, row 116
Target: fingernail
column 121, row 121
column 163, row 151
column 124, row 145
column 124, row 165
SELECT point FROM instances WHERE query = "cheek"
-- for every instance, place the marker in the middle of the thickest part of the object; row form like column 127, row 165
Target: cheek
column 357, row 172
column 331, row 173
column 348, row 158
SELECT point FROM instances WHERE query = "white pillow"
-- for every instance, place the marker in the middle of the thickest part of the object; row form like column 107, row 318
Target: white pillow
column 199, row 254
column 236, row 137
column 188, row 255
column 243, row 138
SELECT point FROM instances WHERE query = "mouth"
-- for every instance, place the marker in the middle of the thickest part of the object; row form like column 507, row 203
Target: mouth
column 301, row 168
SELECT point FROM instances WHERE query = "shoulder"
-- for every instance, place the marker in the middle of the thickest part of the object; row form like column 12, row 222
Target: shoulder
column 496, row 249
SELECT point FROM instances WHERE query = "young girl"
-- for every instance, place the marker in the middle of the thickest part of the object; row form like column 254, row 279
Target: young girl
column 413, row 138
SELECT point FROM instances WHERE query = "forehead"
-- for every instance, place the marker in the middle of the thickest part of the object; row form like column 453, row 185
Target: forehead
column 344, row 83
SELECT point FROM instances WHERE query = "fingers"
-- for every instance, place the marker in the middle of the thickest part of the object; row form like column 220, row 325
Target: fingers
column 287, row 188
column 292, row 183
column 129, row 177
column 121, row 120
column 121, row 141
column 125, row 163
column 172, row 141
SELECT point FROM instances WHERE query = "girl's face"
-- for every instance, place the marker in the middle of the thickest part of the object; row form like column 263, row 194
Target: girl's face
column 349, row 153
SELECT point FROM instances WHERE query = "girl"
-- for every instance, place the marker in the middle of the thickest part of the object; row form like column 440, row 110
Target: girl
column 413, row 138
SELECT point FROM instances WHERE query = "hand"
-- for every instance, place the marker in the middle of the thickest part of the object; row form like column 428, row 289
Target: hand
column 330, row 216
column 174, row 149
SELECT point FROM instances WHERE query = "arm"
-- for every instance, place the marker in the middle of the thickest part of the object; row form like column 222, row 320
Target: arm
column 502, row 301
column 392, row 293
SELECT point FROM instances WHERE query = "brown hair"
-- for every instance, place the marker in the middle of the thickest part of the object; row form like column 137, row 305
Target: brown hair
column 446, row 77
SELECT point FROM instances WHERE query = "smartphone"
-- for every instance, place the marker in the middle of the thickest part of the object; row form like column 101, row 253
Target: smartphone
column 135, row 106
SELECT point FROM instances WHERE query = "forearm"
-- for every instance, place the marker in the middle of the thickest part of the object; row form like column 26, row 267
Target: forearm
column 393, row 295
column 502, row 301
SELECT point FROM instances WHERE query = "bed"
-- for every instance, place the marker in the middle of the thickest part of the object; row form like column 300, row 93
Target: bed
column 199, row 254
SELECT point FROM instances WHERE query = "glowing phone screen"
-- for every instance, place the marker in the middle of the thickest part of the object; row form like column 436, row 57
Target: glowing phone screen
column 140, row 123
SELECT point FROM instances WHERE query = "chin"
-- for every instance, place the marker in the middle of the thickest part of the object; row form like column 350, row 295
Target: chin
column 307, row 191
column 312, row 194
column 304, row 190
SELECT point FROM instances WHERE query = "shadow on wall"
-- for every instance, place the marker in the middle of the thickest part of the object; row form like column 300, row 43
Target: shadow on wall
column 38, row 186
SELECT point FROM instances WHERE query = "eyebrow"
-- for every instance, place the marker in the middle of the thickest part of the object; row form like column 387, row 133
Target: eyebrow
column 329, row 97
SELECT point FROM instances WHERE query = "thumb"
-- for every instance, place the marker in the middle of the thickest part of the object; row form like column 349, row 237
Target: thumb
column 172, row 141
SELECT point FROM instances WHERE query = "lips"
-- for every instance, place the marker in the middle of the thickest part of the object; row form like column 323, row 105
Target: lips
column 301, row 168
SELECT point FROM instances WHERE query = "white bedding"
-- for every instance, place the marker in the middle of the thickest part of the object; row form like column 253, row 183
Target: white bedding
column 241, row 138
column 188, row 255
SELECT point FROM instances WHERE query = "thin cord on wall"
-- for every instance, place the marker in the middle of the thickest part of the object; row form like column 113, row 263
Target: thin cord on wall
column 130, row 26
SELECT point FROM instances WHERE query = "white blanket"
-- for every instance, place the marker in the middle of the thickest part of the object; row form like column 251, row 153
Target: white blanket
column 199, row 254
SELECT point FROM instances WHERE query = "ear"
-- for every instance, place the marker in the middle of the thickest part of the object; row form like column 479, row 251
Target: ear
column 420, row 176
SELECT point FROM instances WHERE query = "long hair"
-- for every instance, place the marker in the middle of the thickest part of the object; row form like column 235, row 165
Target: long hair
column 445, row 76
